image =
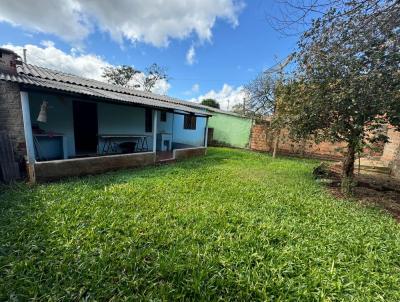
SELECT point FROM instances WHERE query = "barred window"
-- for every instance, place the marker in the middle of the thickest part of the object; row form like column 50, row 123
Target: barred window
column 190, row 122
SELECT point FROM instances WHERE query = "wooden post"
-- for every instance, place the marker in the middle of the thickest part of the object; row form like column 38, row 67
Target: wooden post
column 154, row 131
column 26, row 116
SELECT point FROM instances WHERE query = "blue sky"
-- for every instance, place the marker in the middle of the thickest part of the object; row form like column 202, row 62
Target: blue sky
column 231, row 41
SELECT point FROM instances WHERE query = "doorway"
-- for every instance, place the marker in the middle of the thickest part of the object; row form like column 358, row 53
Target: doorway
column 85, row 128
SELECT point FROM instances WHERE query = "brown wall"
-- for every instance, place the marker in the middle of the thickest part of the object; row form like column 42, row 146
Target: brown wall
column 395, row 165
column 391, row 148
column 57, row 169
column 11, row 117
column 391, row 152
column 187, row 153
column 262, row 139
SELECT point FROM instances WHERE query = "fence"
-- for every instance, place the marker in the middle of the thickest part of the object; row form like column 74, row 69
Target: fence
column 9, row 169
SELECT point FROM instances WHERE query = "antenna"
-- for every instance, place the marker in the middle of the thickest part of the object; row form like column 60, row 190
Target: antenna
column 24, row 50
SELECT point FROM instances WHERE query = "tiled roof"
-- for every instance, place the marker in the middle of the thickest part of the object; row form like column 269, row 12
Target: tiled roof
column 31, row 75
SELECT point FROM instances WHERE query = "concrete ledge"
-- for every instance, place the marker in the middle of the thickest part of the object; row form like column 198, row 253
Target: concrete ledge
column 189, row 152
column 56, row 169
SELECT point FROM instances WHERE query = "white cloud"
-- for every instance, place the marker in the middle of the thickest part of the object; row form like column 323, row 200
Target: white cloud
column 47, row 55
column 61, row 18
column 227, row 97
column 162, row 87
column 153, row 22
column 190, row 55
column 75, row 62
column 195, row 88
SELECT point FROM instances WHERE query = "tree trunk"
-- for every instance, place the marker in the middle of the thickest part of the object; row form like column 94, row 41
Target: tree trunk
column 276, row 144
column 348, row 170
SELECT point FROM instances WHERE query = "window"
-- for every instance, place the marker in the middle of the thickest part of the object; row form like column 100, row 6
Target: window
column 190, row 122
column 163, row 116
column 148, row 123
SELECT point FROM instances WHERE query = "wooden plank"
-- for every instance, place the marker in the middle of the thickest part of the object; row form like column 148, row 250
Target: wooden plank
column 9, row 170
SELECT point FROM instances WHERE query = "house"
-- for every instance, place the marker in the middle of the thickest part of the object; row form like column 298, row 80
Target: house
column 229, row 129
column 63, row 125
column 226, row 128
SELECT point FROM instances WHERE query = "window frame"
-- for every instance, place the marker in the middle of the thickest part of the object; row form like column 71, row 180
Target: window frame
column 189, row 122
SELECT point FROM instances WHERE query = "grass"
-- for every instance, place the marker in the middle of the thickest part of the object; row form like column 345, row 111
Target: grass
column 234, row 225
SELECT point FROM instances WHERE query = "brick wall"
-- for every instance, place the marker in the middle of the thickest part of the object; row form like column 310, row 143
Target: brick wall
column 391, row 148
column 391, row 152
column 11, row 117
column 262, row 139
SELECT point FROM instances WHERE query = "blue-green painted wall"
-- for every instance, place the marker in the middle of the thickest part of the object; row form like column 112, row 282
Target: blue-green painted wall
column 190, row 137
column 112, row 119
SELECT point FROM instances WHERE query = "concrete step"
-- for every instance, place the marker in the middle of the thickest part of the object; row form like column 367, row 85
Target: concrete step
column 165, row 161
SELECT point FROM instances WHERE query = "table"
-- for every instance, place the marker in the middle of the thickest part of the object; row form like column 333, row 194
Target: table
column 43, row 148
column 110, row 146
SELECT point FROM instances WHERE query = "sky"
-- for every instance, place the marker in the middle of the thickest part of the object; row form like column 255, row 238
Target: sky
column 210, row 48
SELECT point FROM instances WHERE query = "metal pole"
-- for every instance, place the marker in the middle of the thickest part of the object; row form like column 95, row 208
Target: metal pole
column 206, row 133
column 172, row 130
column 25, row 56
column 154, row 131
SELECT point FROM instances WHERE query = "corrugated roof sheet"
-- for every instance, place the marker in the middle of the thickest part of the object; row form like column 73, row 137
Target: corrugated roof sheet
column 208, row 108
column 36, row 76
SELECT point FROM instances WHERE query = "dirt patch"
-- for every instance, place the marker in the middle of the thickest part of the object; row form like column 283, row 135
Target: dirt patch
column 372, row 188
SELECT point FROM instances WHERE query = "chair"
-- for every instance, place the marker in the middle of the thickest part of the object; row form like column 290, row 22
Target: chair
column 127, row 147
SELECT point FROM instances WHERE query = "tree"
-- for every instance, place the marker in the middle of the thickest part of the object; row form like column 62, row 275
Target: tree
column 262, row 99
column 210, row 103
column 152, row 75
column 292, row 17
column 259, row 100
column 120, row 75
column 347, row 81
column 128, row 76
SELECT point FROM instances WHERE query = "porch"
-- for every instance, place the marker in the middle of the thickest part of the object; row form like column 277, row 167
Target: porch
column 69, row 136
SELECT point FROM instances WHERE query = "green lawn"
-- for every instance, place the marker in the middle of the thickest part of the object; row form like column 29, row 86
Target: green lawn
column 233, row 225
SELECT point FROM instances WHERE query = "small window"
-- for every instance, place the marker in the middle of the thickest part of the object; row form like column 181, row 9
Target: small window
column 190, row 122
column 148, row 120
column 163, row 116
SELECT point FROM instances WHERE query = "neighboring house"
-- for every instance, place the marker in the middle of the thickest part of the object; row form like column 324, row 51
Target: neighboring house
column 226, row 128
column 229, row 129
column 64, row 125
